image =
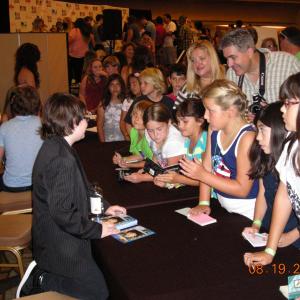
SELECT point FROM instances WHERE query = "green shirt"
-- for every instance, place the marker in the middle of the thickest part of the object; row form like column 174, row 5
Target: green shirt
column 137, row 146
column 298, row 55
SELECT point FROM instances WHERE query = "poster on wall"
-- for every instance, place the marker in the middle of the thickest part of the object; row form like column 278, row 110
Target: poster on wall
column 22, row 13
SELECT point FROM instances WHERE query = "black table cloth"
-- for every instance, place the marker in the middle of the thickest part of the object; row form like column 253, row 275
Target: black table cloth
column 97, row 161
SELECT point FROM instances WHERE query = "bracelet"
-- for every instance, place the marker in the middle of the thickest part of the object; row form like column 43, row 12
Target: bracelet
column 257, row 222
column 270, row 251
column 204, row 203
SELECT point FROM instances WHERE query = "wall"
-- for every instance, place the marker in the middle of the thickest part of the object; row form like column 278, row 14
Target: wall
column 52, row 67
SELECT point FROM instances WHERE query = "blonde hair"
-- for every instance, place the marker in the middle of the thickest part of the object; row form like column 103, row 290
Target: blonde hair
column 226, row 93
column 155, row 77
column 193, row 80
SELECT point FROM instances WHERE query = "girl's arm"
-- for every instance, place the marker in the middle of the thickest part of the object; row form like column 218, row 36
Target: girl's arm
column 82, row 89
column 204, row 189
column 239, row 187
column 260, row 209
column 174, row 177
column 281, row 212
column 1, row 154
column 123, row 125
column 288, row 238
column 100, row 123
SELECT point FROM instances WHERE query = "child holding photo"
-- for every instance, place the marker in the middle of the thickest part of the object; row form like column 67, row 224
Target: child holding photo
column 166, row 142
column 226, row 162
column 264, row 154
column 288, row 166
column 139, row 146
column 191, row 124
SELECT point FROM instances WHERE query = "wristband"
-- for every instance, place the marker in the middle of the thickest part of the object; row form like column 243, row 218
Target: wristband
column 270, row 251
column 203, row 203
column 257, row 222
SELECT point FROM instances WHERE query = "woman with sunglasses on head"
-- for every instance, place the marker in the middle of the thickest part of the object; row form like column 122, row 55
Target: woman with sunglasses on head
column 288, row 166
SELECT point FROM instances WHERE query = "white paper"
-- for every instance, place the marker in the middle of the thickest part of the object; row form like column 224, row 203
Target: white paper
column 183, row 211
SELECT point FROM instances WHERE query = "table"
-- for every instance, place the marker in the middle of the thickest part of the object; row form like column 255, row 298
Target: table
column 186, row 261
column 96, row 158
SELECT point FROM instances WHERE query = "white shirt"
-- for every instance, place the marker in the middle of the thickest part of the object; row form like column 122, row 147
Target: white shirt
column 173, row 146
column 289, row 178
column 126, row 104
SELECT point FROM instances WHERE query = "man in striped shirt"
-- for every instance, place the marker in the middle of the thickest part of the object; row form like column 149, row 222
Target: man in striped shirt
column 245, row 66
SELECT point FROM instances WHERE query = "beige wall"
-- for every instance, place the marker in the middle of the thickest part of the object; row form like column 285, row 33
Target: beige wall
column 52, row 67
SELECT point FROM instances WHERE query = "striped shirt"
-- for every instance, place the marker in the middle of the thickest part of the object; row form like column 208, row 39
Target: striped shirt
column 183, row 95
column 279, row 66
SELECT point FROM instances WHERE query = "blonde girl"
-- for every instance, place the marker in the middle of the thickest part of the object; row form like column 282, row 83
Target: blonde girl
column 226, row 163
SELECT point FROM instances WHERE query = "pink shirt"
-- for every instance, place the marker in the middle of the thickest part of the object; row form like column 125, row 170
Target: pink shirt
column 78, row 46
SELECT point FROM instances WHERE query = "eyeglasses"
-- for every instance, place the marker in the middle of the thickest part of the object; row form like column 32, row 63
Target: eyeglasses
column 288, row 103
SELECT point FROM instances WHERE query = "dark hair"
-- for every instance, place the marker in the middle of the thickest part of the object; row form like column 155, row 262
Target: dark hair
column 288, row 90
column 27, row 56
column 23, row 101
column 157, row 112
column 142, row 59
column 168, row 16
column 292, row 33
column 198, row 25
column 192, row 107
column 60, row 113
column 107, row 94
column 159, row 20
column 99, row 17
column 262, row 163
column 84, row 28
column 178, row 69
column 128, row 84
column 253, row 32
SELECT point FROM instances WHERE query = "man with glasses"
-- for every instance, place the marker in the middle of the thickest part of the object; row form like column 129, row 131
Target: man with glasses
column 258, row 72
column 289, row 39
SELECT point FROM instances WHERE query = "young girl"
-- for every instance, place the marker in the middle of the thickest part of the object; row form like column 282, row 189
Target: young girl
column 92, row 85
column 139, row 146
column 166, row 142
column 264, row 154
column 153, row 86
column 226, row 163
column 134, row 92
column 191, row 123
column 109, row 111
column 288, row 193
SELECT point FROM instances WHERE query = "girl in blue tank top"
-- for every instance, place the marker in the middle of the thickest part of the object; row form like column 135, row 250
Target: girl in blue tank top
column 264, row 154
column 226, row 163
column 191, row 124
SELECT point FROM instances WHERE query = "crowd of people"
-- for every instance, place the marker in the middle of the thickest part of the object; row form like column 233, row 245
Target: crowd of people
column 233, row 130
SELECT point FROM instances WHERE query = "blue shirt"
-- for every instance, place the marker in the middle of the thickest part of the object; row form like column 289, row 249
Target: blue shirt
column 198, row 149
column 224, row 162
column 21, row 142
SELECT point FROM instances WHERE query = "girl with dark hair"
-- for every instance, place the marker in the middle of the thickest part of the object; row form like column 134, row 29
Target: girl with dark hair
column 61, row 228
column 165, row 141
column 26, row 70
column 128, row 52
column 19, row 139
column 109, row 110
column 264, row 154
column 134, row 91
column 191, row 124
column 92, row 85
column 288, row 166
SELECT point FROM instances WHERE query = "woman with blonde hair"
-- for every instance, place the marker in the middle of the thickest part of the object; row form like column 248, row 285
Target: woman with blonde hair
column 203, row 69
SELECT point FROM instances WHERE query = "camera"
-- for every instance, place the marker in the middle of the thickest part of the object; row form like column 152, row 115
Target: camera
column 256, row 106
column 122, row 173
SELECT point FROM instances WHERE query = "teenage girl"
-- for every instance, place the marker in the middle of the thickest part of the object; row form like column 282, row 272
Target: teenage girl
column 139, row 146
column 264, row 154
column 288, row 194
column 92, row 85
column 134, row 92
column 109, row 111
column 191, row 123
column 226, row 164
column 166, row 142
